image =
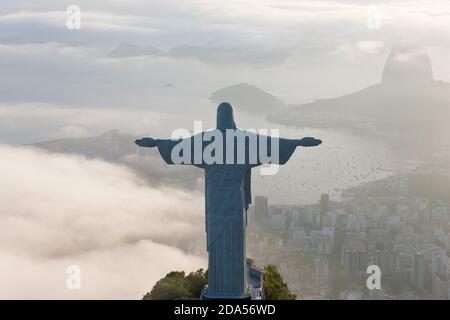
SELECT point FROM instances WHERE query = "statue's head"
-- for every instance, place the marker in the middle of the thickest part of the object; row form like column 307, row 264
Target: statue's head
column 225, row 118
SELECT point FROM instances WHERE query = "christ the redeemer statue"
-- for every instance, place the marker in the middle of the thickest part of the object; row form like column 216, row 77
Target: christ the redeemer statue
column 227, row 155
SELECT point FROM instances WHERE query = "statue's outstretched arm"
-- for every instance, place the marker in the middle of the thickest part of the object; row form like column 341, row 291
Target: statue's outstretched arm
column 146, row 142
column 309, row 142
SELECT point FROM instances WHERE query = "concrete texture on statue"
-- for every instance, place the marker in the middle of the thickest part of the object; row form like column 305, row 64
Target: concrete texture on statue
column 227, row 197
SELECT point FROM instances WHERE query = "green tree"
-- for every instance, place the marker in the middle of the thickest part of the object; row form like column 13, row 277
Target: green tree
column 196, row 281
column 274, row 287
column 176, row 285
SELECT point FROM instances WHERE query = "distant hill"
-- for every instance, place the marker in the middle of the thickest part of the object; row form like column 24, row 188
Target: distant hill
column 248, row 97
column 116, row 147
column 210, row 54
column 407, row 101
column 126, row 49
column 111, row 146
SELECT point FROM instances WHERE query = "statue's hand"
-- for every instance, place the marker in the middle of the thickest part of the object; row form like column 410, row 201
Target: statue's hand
column 146, row 142
column 309, row 142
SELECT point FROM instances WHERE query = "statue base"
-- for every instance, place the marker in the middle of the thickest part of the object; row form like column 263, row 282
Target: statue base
column 205, row 296
column 255, row 278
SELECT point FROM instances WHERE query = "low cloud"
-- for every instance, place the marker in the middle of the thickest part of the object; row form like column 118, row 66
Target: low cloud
column 352, row 50
column 97, row 21
column 37, row 122
column 60, row 210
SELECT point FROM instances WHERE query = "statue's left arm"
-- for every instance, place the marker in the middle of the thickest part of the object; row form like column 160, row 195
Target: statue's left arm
column 288, row 146
column 279, row 150
column 309, row 142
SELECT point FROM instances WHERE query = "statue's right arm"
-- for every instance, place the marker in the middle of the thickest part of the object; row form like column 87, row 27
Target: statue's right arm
column 146, row 142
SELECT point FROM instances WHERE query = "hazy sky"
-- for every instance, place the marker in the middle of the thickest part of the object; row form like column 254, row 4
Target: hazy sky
column 297, row 50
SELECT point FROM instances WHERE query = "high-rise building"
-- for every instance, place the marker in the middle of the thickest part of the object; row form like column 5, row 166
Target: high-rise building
column 324, row 206
column 355, row 263
column 419, row 269
column 439, row 277
column 363, row 261
column 439, row 287
column 346, row 261
column 320, row 270
column 439, row 264
column 261, row 210
column 392, row 261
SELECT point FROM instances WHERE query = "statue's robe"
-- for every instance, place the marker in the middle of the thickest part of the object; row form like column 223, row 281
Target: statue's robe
column 227, row 198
